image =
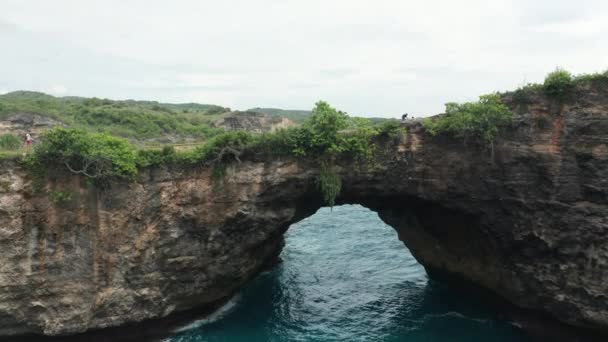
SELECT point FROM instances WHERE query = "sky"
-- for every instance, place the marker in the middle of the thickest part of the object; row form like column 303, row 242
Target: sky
column 369, row 58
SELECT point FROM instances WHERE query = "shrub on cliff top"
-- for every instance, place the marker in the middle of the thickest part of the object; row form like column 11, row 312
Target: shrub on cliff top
column 324, row 124
column 596, row 79
column 146, row 158
column 93, row 155
column 222, row 148
column 481, row 120
column 328, row 133
column 558, row 84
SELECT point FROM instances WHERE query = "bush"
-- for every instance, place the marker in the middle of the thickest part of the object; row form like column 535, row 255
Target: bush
column 9, row 142
column 324, row 124
column 146, row 158
column 526, row 93
column 290, row 141
column 480, row 120
column 391, row 128
column 596, row 79
column 558, row 84
column 93, row 155
column 224, row 147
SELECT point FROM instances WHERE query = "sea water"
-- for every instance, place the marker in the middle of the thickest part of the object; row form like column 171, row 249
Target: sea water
column 345, row 276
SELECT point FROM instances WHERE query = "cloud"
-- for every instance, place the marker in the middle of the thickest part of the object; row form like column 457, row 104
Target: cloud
column 7, row 27
column 382, row 58
column 57, row 89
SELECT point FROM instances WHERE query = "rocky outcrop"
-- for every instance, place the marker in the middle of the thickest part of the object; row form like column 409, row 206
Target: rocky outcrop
column 527, row 222
column 253, row 122
column 19, row 123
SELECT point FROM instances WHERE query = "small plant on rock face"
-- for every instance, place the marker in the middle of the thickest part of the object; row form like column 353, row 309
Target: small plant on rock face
column 558, row 84
column 59, row 197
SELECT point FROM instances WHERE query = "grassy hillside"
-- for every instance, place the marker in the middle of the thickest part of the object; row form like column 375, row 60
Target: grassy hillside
column 129, row 118
column 135, row 120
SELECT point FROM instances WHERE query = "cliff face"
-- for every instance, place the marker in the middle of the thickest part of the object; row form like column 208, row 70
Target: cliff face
column 527, row 221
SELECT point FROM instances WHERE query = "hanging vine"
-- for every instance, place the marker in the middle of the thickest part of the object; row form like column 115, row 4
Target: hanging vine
column 330, row 183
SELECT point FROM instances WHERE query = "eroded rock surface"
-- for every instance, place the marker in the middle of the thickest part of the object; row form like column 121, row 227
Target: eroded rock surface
column 528, row 222
column 19, row 123
column 253, row 122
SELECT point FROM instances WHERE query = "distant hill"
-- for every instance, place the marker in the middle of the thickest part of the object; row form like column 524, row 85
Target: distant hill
column 133, row 119
column 136, row 120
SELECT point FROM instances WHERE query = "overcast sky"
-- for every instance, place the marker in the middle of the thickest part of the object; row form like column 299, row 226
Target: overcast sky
column 369, row 58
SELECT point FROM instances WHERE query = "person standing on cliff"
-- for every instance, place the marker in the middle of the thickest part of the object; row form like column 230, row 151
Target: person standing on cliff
column 28, row 142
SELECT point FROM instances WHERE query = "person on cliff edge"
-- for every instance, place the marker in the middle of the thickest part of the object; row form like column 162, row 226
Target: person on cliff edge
column 28, row 142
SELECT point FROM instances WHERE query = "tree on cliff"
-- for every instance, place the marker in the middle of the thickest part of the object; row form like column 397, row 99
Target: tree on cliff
column 93, row 155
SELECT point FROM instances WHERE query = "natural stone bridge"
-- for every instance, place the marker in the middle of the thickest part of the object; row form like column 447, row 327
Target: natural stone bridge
column 527, row 222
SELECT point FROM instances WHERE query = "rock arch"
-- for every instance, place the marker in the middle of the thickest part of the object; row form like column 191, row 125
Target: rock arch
column 527, row 223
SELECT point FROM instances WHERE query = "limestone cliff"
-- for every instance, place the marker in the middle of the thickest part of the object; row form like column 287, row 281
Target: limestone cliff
column 527, row 222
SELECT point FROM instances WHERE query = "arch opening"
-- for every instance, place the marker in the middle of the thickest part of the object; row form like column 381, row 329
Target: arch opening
column 345, row 275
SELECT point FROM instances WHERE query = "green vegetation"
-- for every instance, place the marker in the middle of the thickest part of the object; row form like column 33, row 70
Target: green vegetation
column 59, row 197
column 9, row 146
column 598, row 80
column 330, row 184
column 561, row 86
column 327, row 135
column 9, row 142
column 479, row 121
column 300, row 116
column 558, row 84
column 130, row 119
column 391, row 128
column 9, row 154
column 150, row 157
column 526, row 93
column 482, row 121
column 97, row 156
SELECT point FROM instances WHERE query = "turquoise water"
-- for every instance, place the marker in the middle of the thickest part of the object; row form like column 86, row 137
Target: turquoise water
column 346, row 277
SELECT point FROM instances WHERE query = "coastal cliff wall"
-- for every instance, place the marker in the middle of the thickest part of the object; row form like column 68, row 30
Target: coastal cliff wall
column 526, row 220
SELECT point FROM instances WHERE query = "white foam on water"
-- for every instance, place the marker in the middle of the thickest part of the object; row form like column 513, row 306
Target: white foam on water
column 213, row 317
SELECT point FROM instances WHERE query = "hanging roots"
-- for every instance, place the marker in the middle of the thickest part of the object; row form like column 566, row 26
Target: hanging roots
column 329, row 183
